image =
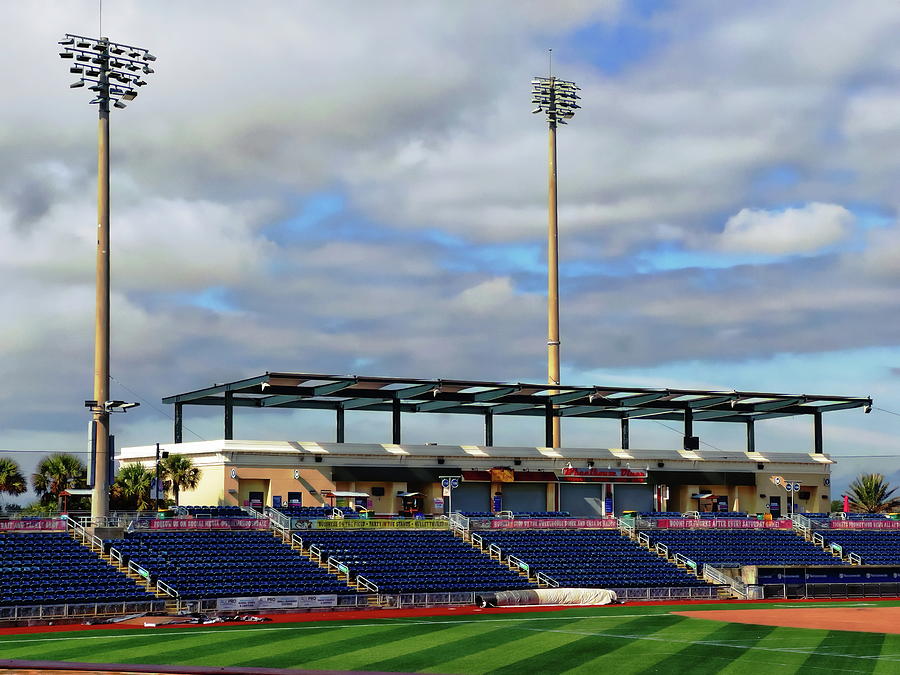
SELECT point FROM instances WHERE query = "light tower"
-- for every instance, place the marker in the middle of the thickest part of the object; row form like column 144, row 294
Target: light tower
column 113, row 72
column 557, row 99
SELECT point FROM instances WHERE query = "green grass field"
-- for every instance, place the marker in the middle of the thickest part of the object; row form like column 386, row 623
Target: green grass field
column 624, row 639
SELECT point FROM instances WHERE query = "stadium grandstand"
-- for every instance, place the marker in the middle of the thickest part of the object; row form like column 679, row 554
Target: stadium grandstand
column 314, row 525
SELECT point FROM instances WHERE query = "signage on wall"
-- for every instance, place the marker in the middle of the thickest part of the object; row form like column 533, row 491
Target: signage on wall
column 234, row 473
column 573, row 474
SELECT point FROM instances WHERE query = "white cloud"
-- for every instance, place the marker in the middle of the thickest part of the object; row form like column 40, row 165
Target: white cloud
column 795, row 230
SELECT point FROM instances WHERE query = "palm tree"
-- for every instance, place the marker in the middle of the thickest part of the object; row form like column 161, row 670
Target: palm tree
column 12, row 481
column 133, row 483
column 179, row 473
column 55, row 474
column 871, row 493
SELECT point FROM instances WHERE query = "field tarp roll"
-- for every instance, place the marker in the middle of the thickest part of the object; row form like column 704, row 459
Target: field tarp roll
column 548, row 596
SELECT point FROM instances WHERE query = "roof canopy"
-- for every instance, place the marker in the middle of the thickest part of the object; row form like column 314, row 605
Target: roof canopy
column 340, row 392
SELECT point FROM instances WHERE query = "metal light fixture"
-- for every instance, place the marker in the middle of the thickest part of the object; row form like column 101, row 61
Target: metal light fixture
column 105, row 57
column 557, row 100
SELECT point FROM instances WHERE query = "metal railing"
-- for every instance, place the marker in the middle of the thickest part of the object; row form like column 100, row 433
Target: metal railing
column 477, row 541
column 716, row 576
column 543, row 578
column 662, row 549
column 494, row 550
column 459, row 522
column 519, row 563
column 297, row 540
column 337, row 514
column 315, row 553
column 163, row 587
column 681, row 559
column 277, row 518
column 667, row 593
column 365, row 583
column 626, row 527
column 506, row 515
column 643, row 539
column 802, row 524
column 79, row 610
column 82, row 535
column 338, row 567
column 855, row 559
column 426, row 599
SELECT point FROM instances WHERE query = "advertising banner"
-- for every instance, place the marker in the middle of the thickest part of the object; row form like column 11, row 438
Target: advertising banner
column 592, row 475
column 207, row 524
column 41, row 525
column 551, row 523
column 382, row 524
column 864, row 524
column 237, row 604
column 724, row 524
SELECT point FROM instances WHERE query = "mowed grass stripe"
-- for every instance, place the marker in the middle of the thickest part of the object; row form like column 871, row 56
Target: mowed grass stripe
column 636, row 648
column 298, row 652
column 837, row 644
column 413, row 638
column 274, row 648
column 585, row 646
column 713, row 651
column 95, row 651
column 786, row 650
column 477, row 637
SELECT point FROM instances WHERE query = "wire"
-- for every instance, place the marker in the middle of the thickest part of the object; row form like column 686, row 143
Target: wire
column 157, row 409
column 889, row 412
column 678, row 431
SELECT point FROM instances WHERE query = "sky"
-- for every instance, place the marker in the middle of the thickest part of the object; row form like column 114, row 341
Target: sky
column 360, row 188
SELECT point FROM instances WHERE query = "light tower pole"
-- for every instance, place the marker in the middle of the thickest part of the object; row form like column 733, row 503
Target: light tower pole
column 557, row 99
column 114, row 71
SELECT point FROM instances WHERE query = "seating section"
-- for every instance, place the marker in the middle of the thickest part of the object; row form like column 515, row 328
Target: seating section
column 732, row 548
column 226, row 564
column 316, row 512
column 415, row 561
column 54, row 569
column 212, row 511
column 590, row 559
column 660, row 514
column 875, row 548
column 723, row 514
column 519, row 514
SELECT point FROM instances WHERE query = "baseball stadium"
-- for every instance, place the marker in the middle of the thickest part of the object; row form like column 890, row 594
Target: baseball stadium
column 320, row 554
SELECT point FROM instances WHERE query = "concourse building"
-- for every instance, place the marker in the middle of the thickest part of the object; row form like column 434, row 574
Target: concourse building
column 396, row 477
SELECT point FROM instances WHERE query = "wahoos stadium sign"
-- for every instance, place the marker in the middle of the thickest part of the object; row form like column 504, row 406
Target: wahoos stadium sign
column 591, row 475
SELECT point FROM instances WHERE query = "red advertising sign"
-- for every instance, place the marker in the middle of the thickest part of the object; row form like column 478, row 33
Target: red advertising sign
column 41, row 525
column 592, row 475
column 864, row 524
column 724, row 524
column 209, row 524
column 551, row 523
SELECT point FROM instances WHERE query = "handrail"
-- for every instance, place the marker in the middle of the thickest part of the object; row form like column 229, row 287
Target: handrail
column 855, row 559
column 818, row 539
column 297, row 539
column 544, row 579
column 459, row 522
column 168, row 590
column 682, row 559
column 508, row 515
column 691, row 514
column 365, row 583
column 802, row 524
column 336, row 513
column 663, row 549
column 315, row 553
column 625, row 527
column 494, row 549
column 116, row 555
column 341, row 567
column 277, row 517
column 643, row 539
column 716, row 576
column 478, row 540
column 81, row 531
column 518, row 562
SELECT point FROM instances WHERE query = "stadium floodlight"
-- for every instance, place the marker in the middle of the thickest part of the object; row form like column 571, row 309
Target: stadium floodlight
column 106, row 57
column 555, row 98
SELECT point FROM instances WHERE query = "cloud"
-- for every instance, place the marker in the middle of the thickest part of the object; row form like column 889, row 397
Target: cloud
column 807, row 229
